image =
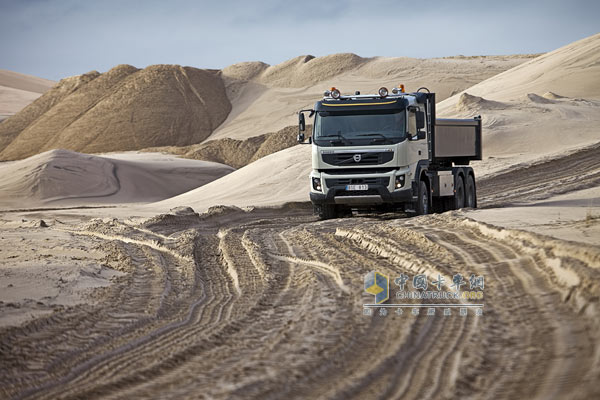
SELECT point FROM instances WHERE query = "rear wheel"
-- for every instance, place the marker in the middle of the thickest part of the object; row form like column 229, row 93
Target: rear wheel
column 470, row 194
column 423, row 205
column 459, row 193
column 327, row 211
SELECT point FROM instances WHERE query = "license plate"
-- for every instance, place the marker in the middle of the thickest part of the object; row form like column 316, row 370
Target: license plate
column 357, row 187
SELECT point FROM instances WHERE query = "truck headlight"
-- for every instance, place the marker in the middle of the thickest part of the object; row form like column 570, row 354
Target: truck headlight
column 399, row 181
column 316, row 184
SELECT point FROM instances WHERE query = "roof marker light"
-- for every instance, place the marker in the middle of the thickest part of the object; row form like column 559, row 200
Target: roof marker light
column 399, row 89
column 335, row 93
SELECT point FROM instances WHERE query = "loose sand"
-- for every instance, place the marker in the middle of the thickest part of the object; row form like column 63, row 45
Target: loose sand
column 61, row 177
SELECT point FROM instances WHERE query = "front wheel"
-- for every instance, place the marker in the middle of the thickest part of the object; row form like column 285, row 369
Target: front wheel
column 327, row 211
column 423, row 205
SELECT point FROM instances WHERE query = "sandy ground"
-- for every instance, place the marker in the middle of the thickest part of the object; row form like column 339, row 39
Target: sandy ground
column 573, row 216
column 268, row 303
column 44, row 271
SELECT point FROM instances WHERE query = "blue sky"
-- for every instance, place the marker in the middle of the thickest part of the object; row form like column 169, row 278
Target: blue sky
column 58, row 38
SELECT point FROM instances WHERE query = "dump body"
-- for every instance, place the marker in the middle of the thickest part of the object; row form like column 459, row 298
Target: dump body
column 456, row 140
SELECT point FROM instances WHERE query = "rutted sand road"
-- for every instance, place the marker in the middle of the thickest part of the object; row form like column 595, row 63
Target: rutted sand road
column 268, row 304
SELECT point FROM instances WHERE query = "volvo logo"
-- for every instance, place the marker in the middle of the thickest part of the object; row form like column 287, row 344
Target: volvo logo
column 356, row 157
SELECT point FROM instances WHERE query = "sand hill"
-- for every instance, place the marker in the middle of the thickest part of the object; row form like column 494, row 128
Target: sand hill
column 298, row 72
column 267, row 98
column 18, row 90
column 572, row 70
column 167, row 105
column 237, row 153
column 545, row 107
column 24, row 82
column 275, row 179
column 122, row 109
column 62, row 177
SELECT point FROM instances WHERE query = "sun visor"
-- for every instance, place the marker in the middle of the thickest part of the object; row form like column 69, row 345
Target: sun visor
column 346, row 105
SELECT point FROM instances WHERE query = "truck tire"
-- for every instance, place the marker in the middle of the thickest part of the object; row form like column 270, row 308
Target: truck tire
column 423, row 199
column 459, row 193
column 470, row 194
column 327, row 211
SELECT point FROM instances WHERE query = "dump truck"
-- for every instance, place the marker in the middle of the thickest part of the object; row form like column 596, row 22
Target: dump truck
column 389, row 152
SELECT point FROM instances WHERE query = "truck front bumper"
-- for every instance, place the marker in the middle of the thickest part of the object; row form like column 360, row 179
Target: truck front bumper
column 374, row 196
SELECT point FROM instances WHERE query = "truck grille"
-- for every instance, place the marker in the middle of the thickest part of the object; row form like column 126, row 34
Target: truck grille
column 331, row 182
column 365, row 158
column 354, row 171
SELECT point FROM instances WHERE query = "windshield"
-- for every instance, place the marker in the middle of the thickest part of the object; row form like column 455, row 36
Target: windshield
column 359, row 128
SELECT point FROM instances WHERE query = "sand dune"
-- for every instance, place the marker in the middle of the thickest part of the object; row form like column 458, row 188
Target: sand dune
column 62, row 177
column 18, row 90
column 14, row 100
column 572, row 70
column 298, row 72
column 267, row 98
column 305, row 71
column 275, row 179
column 165, row 105
column 24, row 82
column 543, row 108
column 13, row 126
column 234, row 152
column 122, row 109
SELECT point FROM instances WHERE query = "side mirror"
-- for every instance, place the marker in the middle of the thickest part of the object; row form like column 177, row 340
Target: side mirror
column 420, row 135
column 300, row 137
column 301, row 122
column 420, row 116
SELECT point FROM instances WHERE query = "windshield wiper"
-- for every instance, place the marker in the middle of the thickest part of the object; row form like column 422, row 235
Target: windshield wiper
column 338, row 135
column 374, row 134
column 380, row 136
